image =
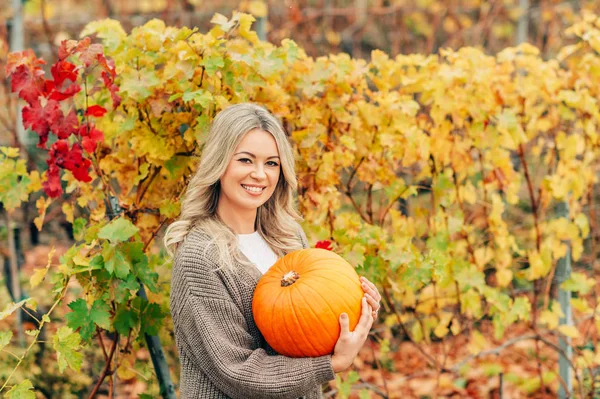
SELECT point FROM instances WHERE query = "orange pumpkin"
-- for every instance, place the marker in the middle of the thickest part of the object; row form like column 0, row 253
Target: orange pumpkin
column 298, row 301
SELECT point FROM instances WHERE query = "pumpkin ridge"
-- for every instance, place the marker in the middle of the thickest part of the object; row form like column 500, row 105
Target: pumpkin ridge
column 349, row 307
column 343, row 275
column 271, row 324
column 296, row 348
column 324, row 301
column 309, row 306
column 338, row 285
column 300, row 327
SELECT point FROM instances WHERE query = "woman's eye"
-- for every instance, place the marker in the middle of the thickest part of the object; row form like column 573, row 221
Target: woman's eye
column 272, row 163
column 244, row 160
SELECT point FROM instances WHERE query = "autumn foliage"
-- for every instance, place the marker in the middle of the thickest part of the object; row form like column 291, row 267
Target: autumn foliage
column 437, row 176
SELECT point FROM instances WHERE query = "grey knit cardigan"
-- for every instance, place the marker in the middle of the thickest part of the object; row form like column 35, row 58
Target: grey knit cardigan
column 221, row 351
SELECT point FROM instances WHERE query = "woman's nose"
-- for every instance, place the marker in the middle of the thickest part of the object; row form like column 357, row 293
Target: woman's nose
column 258, row 172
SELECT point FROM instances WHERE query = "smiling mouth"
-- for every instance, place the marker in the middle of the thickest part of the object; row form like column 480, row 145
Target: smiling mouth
column 255, row 190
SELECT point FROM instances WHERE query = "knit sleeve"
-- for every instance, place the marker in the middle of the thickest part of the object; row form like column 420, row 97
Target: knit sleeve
column 303, row 237
column 221, row 345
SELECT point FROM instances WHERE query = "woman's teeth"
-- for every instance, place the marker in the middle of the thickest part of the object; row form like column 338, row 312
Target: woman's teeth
column 253, row 189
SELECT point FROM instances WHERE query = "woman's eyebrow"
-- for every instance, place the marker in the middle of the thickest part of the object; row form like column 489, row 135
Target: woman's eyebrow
column 254, row 156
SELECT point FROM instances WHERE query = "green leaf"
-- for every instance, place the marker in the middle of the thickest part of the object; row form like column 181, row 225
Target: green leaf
column 124, row 288
column 578, row 282
column 122, row 266
column 100, row 314
column 201, row 97
column 79, row 228
column 118, row 230
column 66, row 343
column 125, row 320
column 135, row 252
column 212, row 64
column 24, row 390
column 152, row 317
column 115, row 262
column 5, row 337
column 86, row 319
column 79, row 319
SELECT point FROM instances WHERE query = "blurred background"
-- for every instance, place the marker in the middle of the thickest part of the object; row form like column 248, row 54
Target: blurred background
column 319, row 26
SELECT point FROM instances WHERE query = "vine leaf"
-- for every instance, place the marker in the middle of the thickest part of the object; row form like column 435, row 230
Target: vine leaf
column 5, row 337
column 118, row 230
column 86, row 319
column 125, row 320
column 21, row 391
column 66, row 343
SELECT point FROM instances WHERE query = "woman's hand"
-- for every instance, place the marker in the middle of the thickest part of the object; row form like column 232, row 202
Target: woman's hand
column 373, row 296
column 350, row 342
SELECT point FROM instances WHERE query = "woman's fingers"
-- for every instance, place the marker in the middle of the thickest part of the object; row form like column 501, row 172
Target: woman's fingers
column 366, row 317
column 372, row 302
column 344, row 323
column 370, row 288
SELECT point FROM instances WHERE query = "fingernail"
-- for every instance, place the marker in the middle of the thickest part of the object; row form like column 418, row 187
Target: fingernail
column 344, row 316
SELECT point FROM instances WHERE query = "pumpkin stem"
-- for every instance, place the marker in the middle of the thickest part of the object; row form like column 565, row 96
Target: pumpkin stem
column 289, row 278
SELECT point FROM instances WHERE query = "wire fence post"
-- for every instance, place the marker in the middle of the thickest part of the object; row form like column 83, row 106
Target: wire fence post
column 261, row 26
column 563, row 272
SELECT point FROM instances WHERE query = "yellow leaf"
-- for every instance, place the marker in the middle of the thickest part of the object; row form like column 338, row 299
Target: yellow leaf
column 10, row 152
column 455, row 326
column 41, row 204
column 550, row 319
column 126, row 370
column 569, row 331
column 68, row 211
column 39, row 274
column 441, row 330
column 539, row 266
column 477, row 343
column 504, row 277
column 258, row 8
column 35, row 182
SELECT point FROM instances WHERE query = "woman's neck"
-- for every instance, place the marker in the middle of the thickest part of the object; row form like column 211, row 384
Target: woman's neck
column 241, row 222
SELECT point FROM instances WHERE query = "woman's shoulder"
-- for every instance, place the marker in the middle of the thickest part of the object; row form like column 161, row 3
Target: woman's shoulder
column 197, row 251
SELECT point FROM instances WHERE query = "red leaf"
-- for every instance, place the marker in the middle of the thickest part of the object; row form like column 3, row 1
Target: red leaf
column 96, row 110
column 27, row 83
column 90, row 138
column 26, row 73
column 52, row 185
column 63, row 127
column 62, row 71
column 324, row 244
column 113, row 88
column 39, row 118
column 88, row 52
column 70, row 159
column 57, row 95
column 66, row 48
column 78, row 165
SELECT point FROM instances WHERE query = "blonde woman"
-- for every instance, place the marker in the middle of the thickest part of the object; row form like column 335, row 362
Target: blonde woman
column 237, row 218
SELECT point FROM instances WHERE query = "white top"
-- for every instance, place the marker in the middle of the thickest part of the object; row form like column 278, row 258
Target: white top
column 257, row 250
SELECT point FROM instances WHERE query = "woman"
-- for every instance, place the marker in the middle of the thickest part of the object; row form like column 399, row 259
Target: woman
column 237, row 218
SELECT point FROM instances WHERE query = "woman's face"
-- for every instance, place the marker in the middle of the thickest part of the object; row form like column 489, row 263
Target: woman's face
column 252, row 173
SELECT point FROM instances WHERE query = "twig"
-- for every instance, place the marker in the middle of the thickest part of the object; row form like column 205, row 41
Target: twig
column 106, row 371
column 60, row 297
